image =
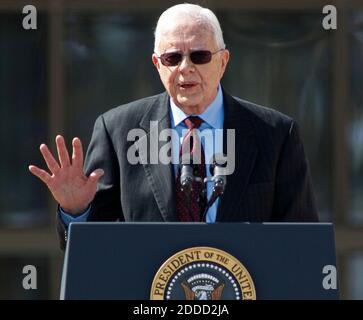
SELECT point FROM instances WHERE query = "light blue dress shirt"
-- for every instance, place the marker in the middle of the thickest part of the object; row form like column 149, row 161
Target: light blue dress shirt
column 213, row 118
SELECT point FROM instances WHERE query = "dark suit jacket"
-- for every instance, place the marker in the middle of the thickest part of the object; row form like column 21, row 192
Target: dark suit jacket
column 271, row 181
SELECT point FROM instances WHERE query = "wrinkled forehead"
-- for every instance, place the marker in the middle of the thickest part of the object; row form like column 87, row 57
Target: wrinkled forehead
column 186, row 36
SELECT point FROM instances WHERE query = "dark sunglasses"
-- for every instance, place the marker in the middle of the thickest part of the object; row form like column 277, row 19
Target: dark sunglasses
column 172, row 59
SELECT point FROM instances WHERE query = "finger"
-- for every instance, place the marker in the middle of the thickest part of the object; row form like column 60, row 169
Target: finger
column 40, row 173
column 49, row 159
column 95, row 176
column 62, row 152
column 77, row 157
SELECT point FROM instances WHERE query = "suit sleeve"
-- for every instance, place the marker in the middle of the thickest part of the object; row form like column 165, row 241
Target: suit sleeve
column 294, row 198
column 106, row 206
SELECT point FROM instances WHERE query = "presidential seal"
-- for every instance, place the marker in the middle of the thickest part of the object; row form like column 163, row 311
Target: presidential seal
column 202, row 273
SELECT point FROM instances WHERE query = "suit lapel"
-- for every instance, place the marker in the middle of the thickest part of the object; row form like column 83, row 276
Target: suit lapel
column 160, row 176
column 237, row 117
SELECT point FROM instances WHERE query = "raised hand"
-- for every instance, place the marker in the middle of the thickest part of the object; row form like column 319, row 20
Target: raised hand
column 66, row 180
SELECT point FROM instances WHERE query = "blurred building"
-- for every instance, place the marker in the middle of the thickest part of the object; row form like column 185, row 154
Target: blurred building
column 87, row 56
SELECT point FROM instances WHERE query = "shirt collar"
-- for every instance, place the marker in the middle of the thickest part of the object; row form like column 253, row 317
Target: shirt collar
column 213, row 114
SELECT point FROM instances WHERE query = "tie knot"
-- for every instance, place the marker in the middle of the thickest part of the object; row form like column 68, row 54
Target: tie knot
column 193, row 122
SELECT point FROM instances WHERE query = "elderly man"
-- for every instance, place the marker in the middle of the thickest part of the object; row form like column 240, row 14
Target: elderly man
column 270, row 181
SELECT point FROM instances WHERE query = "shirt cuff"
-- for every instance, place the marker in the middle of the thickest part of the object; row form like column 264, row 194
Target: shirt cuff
column 68, row 218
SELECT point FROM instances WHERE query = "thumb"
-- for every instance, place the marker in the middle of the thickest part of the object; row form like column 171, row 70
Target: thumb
column 95, row 176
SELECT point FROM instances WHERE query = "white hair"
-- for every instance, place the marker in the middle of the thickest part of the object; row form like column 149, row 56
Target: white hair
column 190, row 11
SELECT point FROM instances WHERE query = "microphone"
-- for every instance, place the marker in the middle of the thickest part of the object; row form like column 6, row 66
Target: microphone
column 219, row 179
column 186, row 172
column 186, row 180
column 186, row 177
column 218, row 170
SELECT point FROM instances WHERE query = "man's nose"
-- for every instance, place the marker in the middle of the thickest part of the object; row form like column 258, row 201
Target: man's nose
column 186, row 64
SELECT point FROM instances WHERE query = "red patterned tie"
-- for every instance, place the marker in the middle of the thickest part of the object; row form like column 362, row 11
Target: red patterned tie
column 191, row 144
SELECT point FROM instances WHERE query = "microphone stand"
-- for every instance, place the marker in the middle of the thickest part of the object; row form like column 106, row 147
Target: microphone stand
column 217, row 192
column 220, row 180
column 186, row 183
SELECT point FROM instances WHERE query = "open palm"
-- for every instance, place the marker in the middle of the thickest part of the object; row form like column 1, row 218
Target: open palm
column 66, row 180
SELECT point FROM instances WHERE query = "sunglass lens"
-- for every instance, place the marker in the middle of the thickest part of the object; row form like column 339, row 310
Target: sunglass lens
column 201, row 57
column 170, row 59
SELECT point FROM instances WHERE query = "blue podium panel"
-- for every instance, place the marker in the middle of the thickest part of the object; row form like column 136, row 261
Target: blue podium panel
column 121, row 260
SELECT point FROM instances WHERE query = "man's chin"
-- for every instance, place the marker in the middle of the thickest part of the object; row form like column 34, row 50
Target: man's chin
column 189, row 105
column 189, row 101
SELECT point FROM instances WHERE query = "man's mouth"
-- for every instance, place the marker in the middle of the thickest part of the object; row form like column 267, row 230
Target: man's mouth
column 188, row 85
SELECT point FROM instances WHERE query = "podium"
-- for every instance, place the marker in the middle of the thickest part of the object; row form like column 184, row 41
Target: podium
column 191, row 261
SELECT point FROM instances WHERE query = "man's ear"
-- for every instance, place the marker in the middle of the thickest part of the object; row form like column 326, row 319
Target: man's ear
column 224, row 61
column 225, row 58
column 155, row 61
